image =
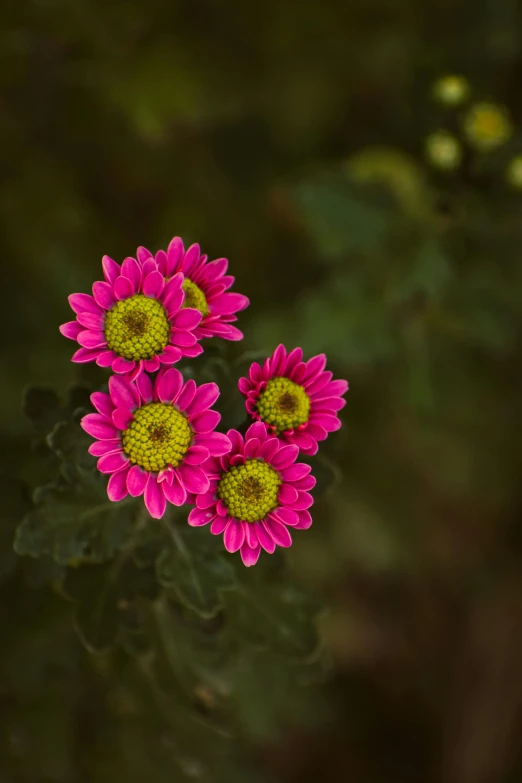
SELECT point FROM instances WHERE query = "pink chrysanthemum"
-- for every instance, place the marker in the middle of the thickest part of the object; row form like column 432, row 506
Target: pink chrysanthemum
column 154, row 439
column 296, row 401
column 134, row 321
column 205, row 285
column 256, row 492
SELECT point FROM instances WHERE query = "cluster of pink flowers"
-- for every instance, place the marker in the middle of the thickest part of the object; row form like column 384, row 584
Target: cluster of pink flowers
column 155, row 433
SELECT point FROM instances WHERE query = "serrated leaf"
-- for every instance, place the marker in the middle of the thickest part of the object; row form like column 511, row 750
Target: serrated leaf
column 106, row 596
column 75, row 521
column 194, row 572
column 277, row 615
column 42, row 407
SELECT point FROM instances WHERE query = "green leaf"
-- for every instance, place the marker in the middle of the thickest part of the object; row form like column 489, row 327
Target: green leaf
column 194, row 571
column 42, row 407
column 277, row 615
column 107, row 597
column 75, row 521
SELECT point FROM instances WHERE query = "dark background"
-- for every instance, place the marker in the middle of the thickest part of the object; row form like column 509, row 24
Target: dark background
column 288, row 137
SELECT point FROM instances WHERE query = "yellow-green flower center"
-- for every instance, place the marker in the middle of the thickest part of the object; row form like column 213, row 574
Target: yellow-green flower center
column 158, row 436
column 194, row 297
column 137, row 328
column 250, row 491
column 283, row 404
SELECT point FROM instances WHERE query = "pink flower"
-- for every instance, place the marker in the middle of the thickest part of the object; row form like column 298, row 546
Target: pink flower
column 256, row 492
column 134, row 321
column 296, row 401
column 153, row 440
column 205, row 285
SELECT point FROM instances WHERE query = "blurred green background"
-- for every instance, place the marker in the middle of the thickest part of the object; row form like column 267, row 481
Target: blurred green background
column 290, row 137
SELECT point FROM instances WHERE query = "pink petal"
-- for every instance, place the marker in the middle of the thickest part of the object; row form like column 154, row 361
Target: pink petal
column 193, row 478
column 284, row 457
column 315, row 366
column 308, row 482
column 88, row 339
column 103, row 404
column 207, row 500
column 97, row 425
column 250, row 556
column 168, row 385
column 105, row 358
column 285, row 515
column 236, row 442
column 137, row 481
column 196, row 455
column 269, row 448
column 216, row 443
column 83, row 355
column 191, row 259
column 151, row 365
column 192, row 352
column 336, row 388
column 123, row 366
column 216, row 268
column 328, row 421
column 234, row 536
column 304, row 501
column 144, row 385
column 251, row 448
column 293, row 359
column 111, row 463
column 171, row 355
column 155, row 500
column 111, row 270
column 328, row 404
column 123, row 288
column 103, row 295
column 142, row 254
column 287, row 494
column 229, row 303
column 205, row 421
column 264, row 538
column 123, row 393
column 278, row 360
column 244, row 386
column 175, row 492
column 91, row 321
column 295, row 472
column 148, row 266
column 117, row 486
column 198, row 518
column 305, row 521
column 101, row 447
column 121, row 418
column 227, row 332
column 305, row 441
column 279, row 533
column 314, row 387
column 182, row 338
column 153, row 285
column 218, row 525
column 186, row 395
column 188, row 318
column 205, row 395
column 71, row 329
column 83, row 303
column 315, row 431
column 256, row 430
column 131, row 270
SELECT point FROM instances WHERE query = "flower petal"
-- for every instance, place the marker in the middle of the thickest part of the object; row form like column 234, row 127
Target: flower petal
column 218, row 525
column 234, row 536
column 123, row 393
column 217, row 443
column 196, row 455
column 103, row 295
column 198, row 518
column 98, row 426
column 101, row 447
column 91, row 321
column 194, row 478
column 284, row 457
column 269, row 448
column 168, row 385
column 304, row 501
column 287, row 494
column 153, row 285
column 131, row 270
column 123, row 288
column 88, row 339
column 111, row 270
column 121, row 418
column 83, row 303
column 111, row 463
column 71, row 329
column 206, row 421
column 117, row 486
column 264, row 538
column 229, row 303
column 155, row 500
column 188, row 318
column 103, row 404
column 205, row 396
column 305, row 521
column 137, row 481
column 295, row 472
column 175, row 492
column 250, row 556
column 144, row 385
column 123, row 366
column 279, row 533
